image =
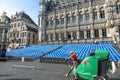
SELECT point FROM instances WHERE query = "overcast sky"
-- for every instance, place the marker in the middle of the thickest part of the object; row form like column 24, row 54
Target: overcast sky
column 31, row 7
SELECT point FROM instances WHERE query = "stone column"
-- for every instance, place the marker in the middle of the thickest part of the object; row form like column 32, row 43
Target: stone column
column 71, row 35
column 54, row 22
column 83, row 15
column 3, row 35
column 71, row 23
column 49, row 37
column 60, row 37
column 85, row 34
column 91, row 19
column 100, row 33
column 78, row 24
column 92, row 33
column 98, row 14
column 65, row 27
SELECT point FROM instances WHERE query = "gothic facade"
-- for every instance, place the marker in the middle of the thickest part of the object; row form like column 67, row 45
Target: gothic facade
column 79, row 21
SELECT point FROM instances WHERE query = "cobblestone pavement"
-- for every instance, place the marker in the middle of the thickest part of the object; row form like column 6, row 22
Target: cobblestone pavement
column 16, row 70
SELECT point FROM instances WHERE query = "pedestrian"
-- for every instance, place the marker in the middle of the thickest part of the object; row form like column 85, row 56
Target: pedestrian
column 73, row 56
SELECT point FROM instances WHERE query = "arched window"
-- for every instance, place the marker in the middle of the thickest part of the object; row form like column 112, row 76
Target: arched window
column 57, row 36
column 57, row 22
column 74, row 35
column 62, row 36
column 102, row 13
column 96, row 33
column 68, row 19
column 73, row 18
column 62, row 20
column 81, row 34
column 80, row 17
column 104, row 32
column 47, row 37
column 86, row 16
column 68, row 35
column 51, row 22
column 88, row 34
column 51, row 37
column 95, row 17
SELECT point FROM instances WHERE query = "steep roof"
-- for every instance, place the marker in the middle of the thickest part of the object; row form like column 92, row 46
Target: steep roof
column 22, row 15
column 32, row 29
column 8, row 19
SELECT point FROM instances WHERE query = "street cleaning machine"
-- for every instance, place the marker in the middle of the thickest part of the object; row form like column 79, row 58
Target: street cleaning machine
column 94, row 67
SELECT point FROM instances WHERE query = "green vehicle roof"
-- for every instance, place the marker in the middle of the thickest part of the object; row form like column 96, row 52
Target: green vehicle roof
column 101, row 54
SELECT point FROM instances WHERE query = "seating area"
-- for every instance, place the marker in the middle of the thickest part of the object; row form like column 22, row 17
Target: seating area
column 63, row 51
column 82, row 50
column 32, row 51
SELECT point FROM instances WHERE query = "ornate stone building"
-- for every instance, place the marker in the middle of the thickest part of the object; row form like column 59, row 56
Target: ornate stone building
column 23, row 30
column 79, row 21
column 4, row 29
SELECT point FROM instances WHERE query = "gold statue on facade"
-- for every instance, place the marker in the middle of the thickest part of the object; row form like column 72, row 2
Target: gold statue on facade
column 4, row 13
column 3, row 17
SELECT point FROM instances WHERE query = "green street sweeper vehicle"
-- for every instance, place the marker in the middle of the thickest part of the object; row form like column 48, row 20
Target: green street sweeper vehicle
column 94, row 67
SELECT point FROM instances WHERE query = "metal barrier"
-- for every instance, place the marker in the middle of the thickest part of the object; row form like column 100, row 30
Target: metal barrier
column 55, row 60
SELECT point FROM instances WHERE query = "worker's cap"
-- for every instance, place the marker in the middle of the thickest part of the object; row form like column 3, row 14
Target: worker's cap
column 71, row 52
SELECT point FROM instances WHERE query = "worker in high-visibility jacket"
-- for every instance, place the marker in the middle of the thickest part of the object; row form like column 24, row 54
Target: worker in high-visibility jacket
column 73, row 56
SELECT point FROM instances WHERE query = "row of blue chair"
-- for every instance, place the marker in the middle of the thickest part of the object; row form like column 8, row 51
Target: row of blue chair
column 32, row 51
column 82, row 50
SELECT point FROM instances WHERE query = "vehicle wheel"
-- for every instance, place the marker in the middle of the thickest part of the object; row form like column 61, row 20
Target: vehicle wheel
column 100, row 78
